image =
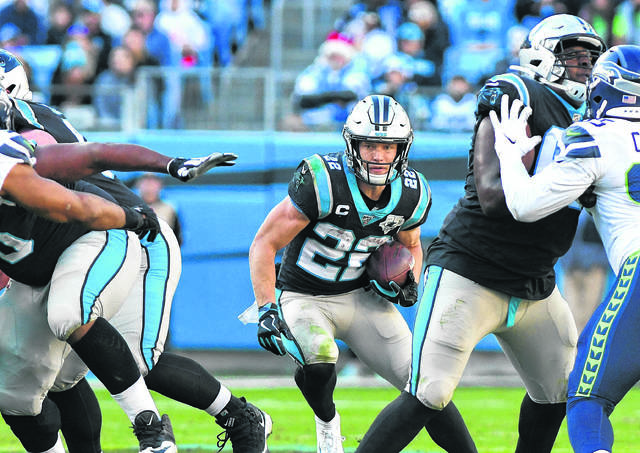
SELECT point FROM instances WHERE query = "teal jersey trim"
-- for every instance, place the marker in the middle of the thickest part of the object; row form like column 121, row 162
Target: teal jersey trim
column 103, row 270
column 423, row 203
column 361, row 206
column 27, row 112
column 423, row 317
column 155, row 284
column 517, row 82
column 322, row 184
column 576, row 113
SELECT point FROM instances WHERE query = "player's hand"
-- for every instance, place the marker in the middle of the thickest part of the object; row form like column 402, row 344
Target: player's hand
column 511, row 129
column 142, row 221
column 270, row 329
column 588, row 198
column 405, row 296
column 188, row 169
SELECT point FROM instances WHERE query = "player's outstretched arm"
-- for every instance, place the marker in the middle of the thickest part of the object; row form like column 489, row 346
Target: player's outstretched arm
column 49, row 199
column 72, row 161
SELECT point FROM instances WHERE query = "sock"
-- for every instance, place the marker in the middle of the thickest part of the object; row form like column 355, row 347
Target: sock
column 37, row 433
column 588, row 424
column 397, row 425
column 538, row 425
column 107, row 355
column 81, row 418
column 448, row 430
column 136, row 399
column 317, row 382
column 221, row 401
column 183, row 379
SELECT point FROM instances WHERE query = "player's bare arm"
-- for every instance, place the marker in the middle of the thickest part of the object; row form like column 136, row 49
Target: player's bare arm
column 486, row 170
column 282, row 224
column 73, row 161
column 411, row 240
column 53, row 201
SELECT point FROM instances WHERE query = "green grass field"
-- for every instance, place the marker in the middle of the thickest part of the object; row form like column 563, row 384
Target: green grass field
column 491, row 414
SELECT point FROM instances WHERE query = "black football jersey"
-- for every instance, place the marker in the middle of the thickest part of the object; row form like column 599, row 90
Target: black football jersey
column 499, row 252
column 29, row 245
column 328, row 256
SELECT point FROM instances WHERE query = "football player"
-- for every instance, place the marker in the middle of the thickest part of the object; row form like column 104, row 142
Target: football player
column 340, row 208
column 246, row 426
column 601, row 152
column 34, row 248
column 488, row 273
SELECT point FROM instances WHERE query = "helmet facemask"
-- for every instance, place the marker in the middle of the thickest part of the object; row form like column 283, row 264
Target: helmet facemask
column 551, row 45
column 378, row 119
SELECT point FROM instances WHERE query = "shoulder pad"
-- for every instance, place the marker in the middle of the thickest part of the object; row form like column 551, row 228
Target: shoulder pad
column 577, row 142
column 15, row 146
column 493, row 90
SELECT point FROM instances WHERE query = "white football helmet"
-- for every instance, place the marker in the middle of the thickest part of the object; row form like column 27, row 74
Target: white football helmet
column 13, row 77
column 381, row 119
column 543, row 54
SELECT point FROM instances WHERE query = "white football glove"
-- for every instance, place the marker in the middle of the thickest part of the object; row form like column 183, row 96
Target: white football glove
column 511, row 130
column 188, row 169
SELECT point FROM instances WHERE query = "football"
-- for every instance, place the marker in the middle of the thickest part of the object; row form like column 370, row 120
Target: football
column 391, row 262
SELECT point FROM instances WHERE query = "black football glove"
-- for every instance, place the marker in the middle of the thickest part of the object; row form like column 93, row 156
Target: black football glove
column 405, row 296
column 270, row 329
column 142, row 221
column 188, row 169
column 588, row 198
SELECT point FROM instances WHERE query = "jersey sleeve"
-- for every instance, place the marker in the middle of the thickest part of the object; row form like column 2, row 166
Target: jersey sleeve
column 302, row 191
column 14, row 149
column 490, row 95
column 423, row 205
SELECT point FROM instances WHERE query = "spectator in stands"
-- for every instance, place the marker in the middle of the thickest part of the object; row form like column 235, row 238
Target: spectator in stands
column 10, row 37
column 530, row 12
column 189, row 35
column 76, row 70
column 325, row 91
column 454, row 109
column 626, row 23
column 114, row 20
column 60, row 19
column 150, row 187
column 18, row 13
column 399, row 83
column 158, row 45
column 411, row 49
column 435, row 31
column 375, row 45
column 101, row 43
column 599, row 13
column 111, row 87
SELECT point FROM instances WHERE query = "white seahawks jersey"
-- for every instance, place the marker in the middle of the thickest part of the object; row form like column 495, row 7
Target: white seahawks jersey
column 604, row 153
column 14, row 149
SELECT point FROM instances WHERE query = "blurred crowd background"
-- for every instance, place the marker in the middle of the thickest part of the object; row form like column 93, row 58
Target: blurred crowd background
column 295, row 65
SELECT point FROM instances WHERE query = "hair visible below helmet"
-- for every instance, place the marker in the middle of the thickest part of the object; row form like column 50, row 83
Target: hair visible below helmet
column 614, row 88
column 543, row 53
column 380, row 119
column 13, row 77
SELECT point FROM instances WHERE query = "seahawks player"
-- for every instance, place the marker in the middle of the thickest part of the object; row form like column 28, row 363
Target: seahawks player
column 603, row 152
column 171, row 375
column 488, row 273
column 341, row 207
